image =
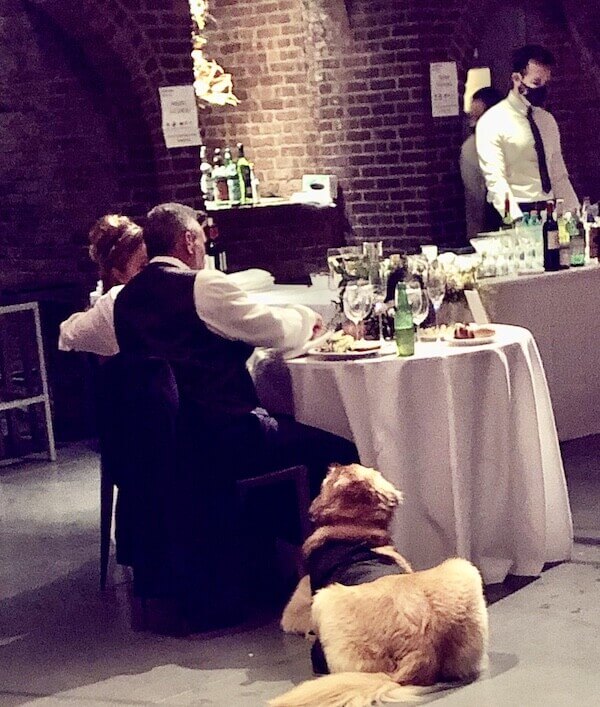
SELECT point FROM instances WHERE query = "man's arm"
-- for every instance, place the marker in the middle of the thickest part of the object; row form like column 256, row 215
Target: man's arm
column 559, row 177
column 493, row 164
column 226, row 310
column 93, row 330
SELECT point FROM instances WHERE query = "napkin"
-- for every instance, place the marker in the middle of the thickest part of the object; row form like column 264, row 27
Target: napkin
column 253, row 280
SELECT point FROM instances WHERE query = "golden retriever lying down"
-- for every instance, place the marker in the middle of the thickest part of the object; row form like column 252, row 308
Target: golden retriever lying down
column 387, row 634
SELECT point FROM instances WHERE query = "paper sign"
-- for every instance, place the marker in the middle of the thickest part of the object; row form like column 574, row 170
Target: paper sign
column 444, row 88
column 179, row 116
column 478, row 311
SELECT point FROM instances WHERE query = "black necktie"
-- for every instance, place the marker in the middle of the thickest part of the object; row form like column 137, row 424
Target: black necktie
column 541, row 153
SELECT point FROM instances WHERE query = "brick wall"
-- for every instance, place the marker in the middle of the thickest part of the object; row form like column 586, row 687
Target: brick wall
column 80, row 124
column 336, row 86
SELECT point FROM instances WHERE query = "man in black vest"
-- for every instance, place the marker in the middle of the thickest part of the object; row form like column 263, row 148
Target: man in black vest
column 205, row 326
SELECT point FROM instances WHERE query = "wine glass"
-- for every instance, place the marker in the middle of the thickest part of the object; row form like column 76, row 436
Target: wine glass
column 378, row 278
column 435, row 283
column 418, row 302
column 358, row 300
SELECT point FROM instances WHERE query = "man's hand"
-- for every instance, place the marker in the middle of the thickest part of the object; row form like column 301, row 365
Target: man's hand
column 318, row 328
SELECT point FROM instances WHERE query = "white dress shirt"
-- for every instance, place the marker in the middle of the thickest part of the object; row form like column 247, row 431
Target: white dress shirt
column 508, row 159
column 220, row 303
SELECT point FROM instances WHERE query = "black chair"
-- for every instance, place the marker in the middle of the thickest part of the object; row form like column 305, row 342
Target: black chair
column 141, row 427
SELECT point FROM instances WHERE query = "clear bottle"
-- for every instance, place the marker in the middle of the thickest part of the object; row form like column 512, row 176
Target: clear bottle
column 207, row 186
column 245, row 175
column 221, row 188
column 550, row 240
column 233, row 180
column 404, row 328
column 577, row 237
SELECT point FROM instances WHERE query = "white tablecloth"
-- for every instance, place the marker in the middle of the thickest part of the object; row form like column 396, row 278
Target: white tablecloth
column 467, row 434
column 559, row 309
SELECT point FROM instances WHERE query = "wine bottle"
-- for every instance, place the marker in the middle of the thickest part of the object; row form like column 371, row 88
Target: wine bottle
column 215, row 250
column 220, row 178
column 550, row 240
column 245, row 175
column 207, row 186
column 564, row 240
column 233, row 180
column 404, row 328
column 507, row 220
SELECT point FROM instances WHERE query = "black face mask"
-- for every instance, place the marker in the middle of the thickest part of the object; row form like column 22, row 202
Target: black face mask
column 536, row 95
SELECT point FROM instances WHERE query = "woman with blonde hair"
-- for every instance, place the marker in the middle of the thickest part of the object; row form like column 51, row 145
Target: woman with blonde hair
column 117, row 246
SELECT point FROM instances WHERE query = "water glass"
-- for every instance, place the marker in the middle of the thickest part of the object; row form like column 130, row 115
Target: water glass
column 357, row 301
column 378, row 279
column 435, row 283
column 418, row 301
column 334, row 263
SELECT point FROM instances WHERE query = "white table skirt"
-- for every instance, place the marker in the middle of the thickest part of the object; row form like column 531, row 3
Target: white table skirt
column 559, row 310
column 467, row 434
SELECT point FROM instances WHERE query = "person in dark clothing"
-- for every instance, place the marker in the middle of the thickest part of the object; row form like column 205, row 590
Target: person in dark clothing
column 205, row 327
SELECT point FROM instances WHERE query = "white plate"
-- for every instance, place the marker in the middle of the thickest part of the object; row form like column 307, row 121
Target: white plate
column 449, row 339
column 341, row 355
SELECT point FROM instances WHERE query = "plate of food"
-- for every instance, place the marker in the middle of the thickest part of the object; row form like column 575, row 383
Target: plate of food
column 469, row 335
column 340, row 346
column 431, row 333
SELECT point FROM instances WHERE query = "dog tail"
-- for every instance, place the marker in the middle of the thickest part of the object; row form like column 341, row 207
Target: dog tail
column 349, row 689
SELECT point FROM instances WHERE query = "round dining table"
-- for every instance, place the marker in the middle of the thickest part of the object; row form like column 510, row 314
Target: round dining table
column 466, row 432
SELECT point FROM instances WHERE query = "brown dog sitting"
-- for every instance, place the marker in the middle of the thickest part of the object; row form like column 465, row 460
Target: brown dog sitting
column 386, row 633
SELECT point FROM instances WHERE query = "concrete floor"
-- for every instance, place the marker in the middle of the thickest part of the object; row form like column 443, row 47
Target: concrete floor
column 63, row 642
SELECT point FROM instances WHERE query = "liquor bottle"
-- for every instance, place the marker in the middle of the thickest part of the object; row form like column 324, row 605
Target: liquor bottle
column 245, row 175
column 233, row 180
column 220, row 178
column 507, row 221
column 564, row 240
column 215, row 250
column 207, row 186
column 404, row 328
column 550, row 240
column 577, row 236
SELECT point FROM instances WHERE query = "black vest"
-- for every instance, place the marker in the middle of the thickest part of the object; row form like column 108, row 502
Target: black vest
column 155, row 315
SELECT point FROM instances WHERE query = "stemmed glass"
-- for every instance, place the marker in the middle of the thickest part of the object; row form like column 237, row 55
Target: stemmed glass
column 358, row 300
column 418, row 302
column 378, row 278
column 435, row 283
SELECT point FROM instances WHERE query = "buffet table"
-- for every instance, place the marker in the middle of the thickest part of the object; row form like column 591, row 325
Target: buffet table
column 557, row 308
column 467, row 433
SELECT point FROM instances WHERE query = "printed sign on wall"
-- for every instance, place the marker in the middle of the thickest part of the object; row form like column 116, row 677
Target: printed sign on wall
column 444, row 88
column 179, row 116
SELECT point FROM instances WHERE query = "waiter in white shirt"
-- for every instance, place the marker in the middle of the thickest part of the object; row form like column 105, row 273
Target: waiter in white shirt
column 518, row 142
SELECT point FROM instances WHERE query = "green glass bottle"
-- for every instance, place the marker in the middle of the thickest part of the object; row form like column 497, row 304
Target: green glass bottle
column 404, row 328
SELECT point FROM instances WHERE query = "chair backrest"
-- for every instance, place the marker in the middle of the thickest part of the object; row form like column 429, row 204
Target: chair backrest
column 138, row 408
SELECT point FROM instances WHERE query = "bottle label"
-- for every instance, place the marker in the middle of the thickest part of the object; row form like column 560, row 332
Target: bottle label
column 246, row 179
column 553, row 239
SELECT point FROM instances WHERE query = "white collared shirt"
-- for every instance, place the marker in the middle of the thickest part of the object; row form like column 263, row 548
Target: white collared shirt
column 508, row 159
column 220, row 303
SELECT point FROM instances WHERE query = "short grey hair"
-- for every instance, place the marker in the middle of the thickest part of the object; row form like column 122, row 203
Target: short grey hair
column 165, row 223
